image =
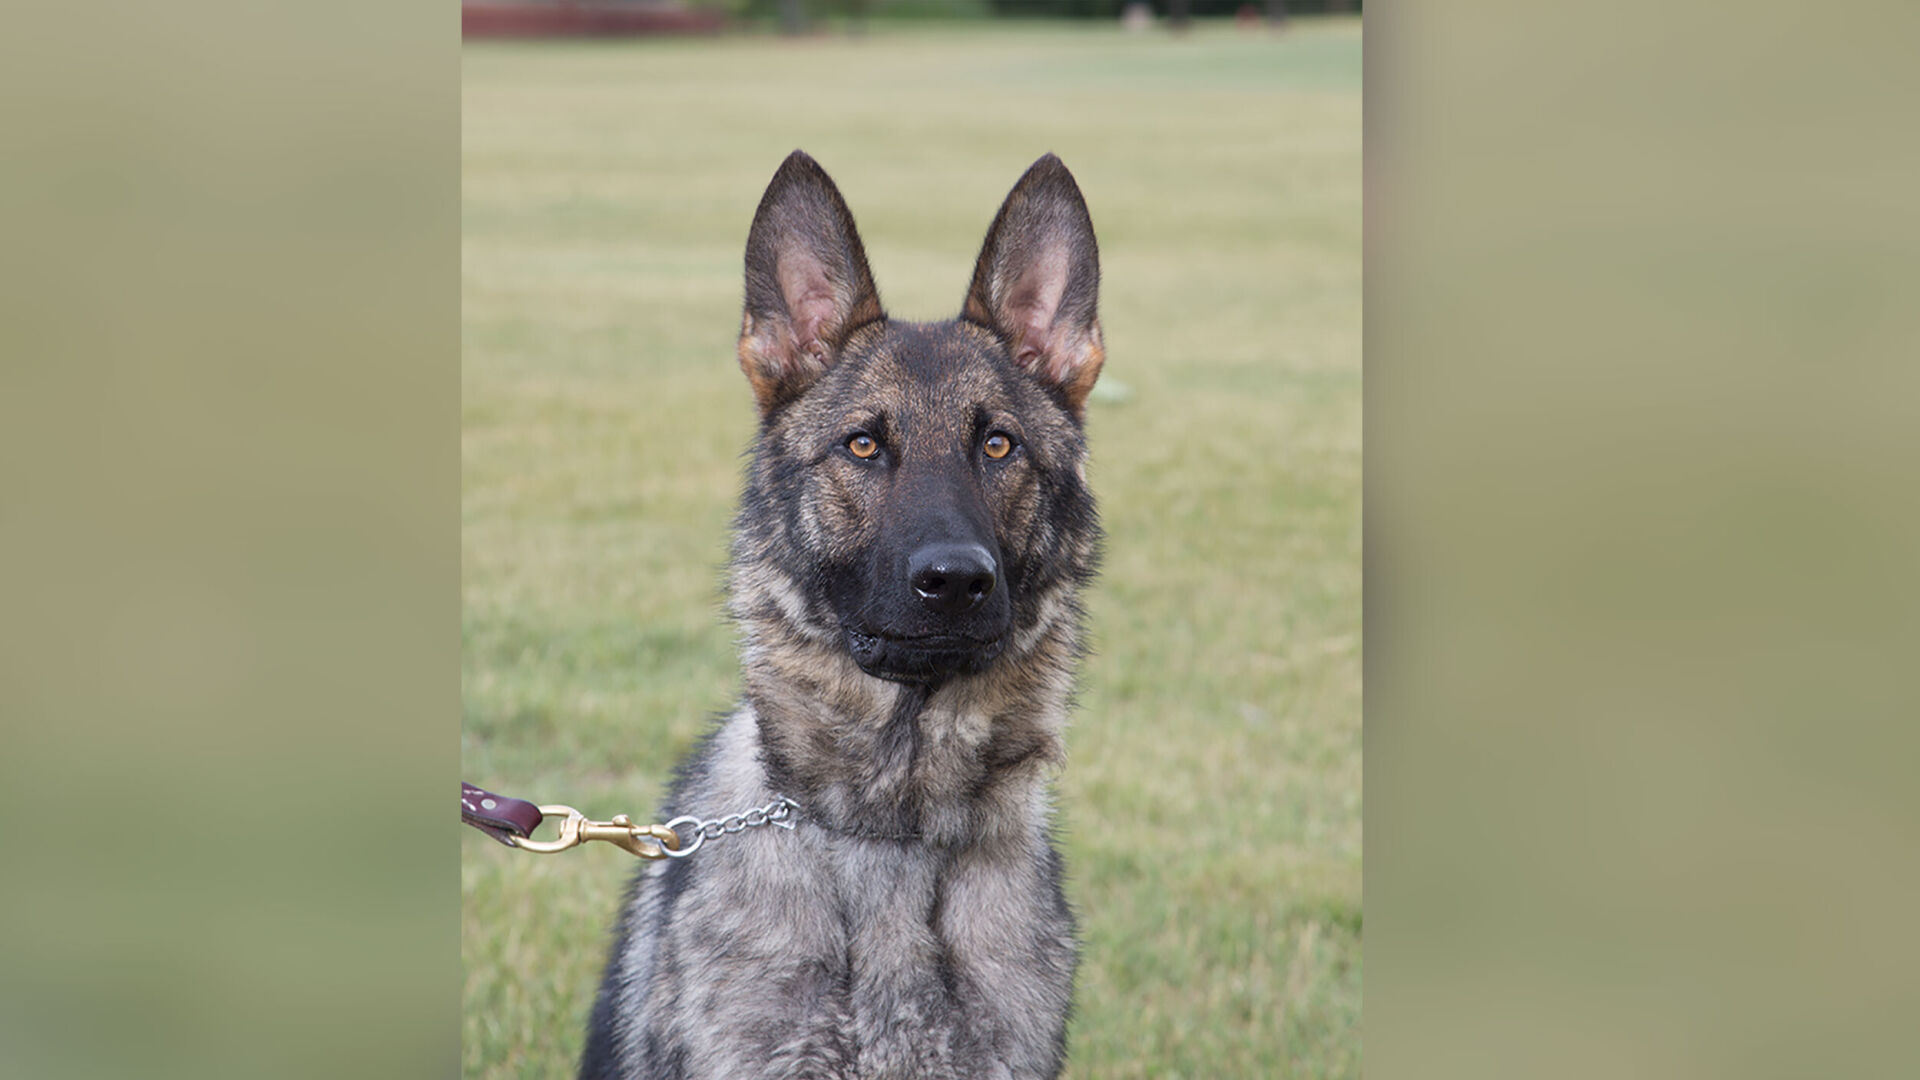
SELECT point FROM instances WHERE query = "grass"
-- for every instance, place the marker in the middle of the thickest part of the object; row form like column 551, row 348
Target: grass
column 1212, row 800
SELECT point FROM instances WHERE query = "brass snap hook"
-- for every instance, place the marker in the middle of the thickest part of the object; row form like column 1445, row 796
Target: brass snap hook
column 645, row 841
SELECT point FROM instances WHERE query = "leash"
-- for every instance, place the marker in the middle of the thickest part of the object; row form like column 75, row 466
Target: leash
column 512, row 822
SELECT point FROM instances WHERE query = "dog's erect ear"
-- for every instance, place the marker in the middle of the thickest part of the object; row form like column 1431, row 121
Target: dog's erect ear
column 808, row 285
column 1038, row 281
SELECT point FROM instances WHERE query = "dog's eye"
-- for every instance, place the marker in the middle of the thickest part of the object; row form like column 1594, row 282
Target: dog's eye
column 863, row 446
column 998, row 445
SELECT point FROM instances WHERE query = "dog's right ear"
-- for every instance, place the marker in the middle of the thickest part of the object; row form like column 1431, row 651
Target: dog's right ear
column 808, row 285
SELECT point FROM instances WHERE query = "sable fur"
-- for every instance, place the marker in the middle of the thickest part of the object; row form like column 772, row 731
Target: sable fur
column 913, row 923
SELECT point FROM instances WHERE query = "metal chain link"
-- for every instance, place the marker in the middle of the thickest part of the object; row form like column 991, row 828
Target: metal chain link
column 779, row 813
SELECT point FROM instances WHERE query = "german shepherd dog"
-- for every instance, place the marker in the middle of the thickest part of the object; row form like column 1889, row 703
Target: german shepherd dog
column 915, row 529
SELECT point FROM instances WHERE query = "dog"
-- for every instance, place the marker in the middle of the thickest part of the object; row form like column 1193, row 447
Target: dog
column 912, row 542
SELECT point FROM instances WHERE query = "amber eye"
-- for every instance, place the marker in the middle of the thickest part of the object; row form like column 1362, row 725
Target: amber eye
column 863, row 446
column 998, row 446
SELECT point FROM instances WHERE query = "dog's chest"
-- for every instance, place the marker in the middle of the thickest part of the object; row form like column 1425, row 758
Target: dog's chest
column 950, row 958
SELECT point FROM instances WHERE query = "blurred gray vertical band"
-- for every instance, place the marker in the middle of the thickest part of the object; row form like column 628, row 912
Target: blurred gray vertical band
column 229, row 548
column 1641, row 588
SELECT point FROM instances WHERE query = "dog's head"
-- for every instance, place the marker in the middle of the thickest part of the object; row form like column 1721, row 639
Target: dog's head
column 919, row 488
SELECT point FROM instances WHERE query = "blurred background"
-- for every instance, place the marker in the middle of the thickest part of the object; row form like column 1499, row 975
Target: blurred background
column 1212, row 801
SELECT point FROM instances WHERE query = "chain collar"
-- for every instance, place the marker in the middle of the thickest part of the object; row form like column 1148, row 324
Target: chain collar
column 693, row 832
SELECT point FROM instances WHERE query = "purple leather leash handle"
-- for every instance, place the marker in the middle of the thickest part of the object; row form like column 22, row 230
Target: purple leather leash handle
column 498, row 816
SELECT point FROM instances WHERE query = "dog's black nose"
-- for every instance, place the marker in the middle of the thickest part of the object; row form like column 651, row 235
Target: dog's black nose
column 951, row 578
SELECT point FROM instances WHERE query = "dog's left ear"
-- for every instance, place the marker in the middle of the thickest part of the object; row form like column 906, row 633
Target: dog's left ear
column 1038, row 282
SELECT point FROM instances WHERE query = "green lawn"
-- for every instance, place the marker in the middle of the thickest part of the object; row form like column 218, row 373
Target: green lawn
column 1212, row 798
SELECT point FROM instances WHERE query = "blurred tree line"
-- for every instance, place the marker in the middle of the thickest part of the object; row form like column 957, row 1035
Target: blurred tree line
column 789, row 11
column 1110, row 9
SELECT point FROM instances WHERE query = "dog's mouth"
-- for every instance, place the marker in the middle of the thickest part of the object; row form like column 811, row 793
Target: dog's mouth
column 921, row 659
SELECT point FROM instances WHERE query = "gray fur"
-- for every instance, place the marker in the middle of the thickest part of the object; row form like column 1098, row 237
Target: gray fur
column 913, row 924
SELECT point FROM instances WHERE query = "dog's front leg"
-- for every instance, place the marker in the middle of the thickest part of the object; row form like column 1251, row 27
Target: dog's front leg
column 753, row 985
column 1009, row 937
column 907, row 1022
column 762, row 1020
